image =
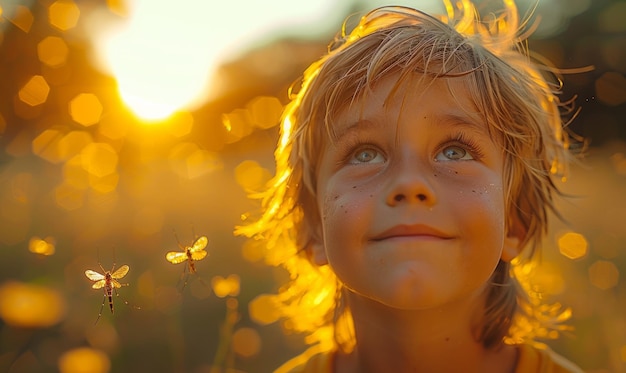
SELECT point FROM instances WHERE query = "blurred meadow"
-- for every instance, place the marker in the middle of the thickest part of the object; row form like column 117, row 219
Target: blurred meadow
column 94, row 172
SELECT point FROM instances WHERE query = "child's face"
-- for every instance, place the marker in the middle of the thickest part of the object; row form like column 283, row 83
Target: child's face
column 411, row 197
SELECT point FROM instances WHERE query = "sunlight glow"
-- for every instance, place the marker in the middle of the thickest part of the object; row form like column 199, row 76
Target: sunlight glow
column 164, row 54
column 160, row 57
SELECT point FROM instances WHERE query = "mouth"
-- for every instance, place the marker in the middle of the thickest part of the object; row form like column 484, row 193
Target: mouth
column 417, row 231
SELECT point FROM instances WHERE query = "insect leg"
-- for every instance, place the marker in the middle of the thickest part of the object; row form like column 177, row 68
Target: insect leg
column 117, row 295
column 104, row 298
column 185, row 275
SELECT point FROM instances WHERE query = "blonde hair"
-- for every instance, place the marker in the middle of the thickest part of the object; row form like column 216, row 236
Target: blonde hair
column 519, row 102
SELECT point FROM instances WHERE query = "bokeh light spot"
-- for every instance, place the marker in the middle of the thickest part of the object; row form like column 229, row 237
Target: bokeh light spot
column 84, row 360
column 252, row 252
column 573, row 245
column 86, row 109
column 180, row 124
column 41, row 246
column 104, row 337
column 263, row 309
column 238, row 124
column 246, row 342
column 46, row 145
column 603, row 274
column 223, row 287
column 63, row 14
column 15, row 209
column 73, row 143
column 22, row 18
column 265, row 111
column 145, row 285
column 548, row 279
column 201, row 162
column 52, row 51
column 35, row 91
column 611, row 20
column 25, row 305
column 189, row 161
column 112, row 127
column 22, row 187
column 619, row 163
column 611, row 88
column 251, row 176
column 99, row 159
column 69, row 197
column 74, row 174
column 104, row 184
column 119, row 7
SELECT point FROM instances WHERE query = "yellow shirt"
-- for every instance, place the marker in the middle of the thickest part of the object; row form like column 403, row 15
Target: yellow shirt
column 530, row 360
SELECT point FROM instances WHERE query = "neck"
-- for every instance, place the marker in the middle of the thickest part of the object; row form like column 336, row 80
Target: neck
column 436, row 340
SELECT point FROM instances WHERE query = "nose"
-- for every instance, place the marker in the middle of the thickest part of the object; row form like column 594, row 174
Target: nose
column 410, row 185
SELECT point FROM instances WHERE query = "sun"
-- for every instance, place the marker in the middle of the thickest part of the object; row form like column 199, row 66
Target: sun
column 163, row 54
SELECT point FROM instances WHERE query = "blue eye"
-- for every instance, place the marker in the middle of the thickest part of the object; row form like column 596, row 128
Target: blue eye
column 367, row 155
column 453, row 153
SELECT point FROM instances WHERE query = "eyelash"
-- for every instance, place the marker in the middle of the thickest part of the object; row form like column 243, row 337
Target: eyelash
column 466, row 142
column 350, row 146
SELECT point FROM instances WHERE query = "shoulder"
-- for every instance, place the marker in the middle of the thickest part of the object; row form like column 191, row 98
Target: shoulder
column 309, row 362
column 539, row 359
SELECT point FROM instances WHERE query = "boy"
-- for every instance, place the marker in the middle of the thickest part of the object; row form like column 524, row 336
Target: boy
column 414, row 165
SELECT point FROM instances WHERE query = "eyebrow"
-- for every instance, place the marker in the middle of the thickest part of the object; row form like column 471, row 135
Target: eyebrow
column 357, row 125
column 452, row 120
column 474, row 123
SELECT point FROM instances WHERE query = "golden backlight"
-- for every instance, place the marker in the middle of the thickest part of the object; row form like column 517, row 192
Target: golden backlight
column 163, row 54
column 160, row 56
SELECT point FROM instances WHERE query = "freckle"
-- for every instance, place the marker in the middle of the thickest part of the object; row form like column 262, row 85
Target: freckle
column 456, row 172
column 447, row 339
column 354, row 187
column 473, row 191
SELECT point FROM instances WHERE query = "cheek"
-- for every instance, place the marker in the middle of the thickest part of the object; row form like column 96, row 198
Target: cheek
column 480, row 207
column 483, row 211
column 343, row 210
column 336, row 208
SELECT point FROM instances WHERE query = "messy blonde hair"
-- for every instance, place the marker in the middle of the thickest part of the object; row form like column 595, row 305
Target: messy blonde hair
column 520, row 106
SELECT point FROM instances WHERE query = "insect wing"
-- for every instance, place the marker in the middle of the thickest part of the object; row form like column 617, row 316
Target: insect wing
column 121, row 272
column 198, row 255
column 99, row 284
column 116, row 284
column 93, row 275
column 200, row 244
column 175, row 257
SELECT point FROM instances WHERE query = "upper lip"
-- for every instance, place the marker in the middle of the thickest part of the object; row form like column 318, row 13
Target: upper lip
column 405, row 230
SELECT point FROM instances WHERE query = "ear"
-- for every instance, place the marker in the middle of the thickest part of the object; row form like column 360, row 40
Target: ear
column 318, row 253
column 511, row 248
column 513, row 241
